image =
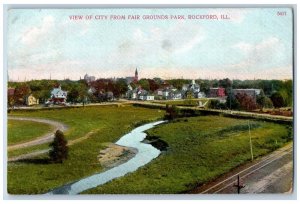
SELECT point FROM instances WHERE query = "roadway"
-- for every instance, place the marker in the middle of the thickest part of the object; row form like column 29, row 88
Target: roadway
column 272, row 173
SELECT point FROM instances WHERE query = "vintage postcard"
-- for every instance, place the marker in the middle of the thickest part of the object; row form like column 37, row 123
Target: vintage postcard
column 150, row 100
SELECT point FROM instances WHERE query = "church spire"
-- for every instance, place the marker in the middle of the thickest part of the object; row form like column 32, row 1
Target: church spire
column 136, row 76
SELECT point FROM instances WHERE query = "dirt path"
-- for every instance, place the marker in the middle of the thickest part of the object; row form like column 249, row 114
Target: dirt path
column 40, row 152
column 40, row 140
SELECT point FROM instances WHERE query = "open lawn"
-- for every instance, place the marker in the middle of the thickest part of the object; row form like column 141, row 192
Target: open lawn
column 200, row 149
column 22, row 131
column 108, row 124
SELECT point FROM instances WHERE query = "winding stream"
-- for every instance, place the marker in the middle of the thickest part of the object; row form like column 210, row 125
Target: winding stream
column 146, row 153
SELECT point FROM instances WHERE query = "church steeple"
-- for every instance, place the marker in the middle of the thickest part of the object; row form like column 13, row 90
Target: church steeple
column 136, row 75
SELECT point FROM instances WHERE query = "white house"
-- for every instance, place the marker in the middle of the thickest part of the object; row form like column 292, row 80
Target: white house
column 200, row 95
column 166, row 93
column 177, row 95
column 58, row 95
column 31, row 100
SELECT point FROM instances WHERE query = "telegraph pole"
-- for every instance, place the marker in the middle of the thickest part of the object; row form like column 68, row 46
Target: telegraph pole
column 239, row 185
column 251, row 150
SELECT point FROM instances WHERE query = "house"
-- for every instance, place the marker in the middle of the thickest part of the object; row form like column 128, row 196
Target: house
column 11, row 92
column 166, row 93
column 143, row 95
column 176, row 95
column 216, row 92
column 89, row 79
column 191, row 89
column 91, row 90
column 133, row 93
column 58, row 96
column 194, row 87
column 200, row 95
column 146, row 97
column 31, row 100
column 109, row 96
column 159, row 92
column 185, row 87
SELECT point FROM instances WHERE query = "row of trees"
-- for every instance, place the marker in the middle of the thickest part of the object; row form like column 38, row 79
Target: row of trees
column 245, row 102
column 278, row 91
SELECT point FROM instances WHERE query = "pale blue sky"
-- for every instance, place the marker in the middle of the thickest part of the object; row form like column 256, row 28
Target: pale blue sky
column 254, row 43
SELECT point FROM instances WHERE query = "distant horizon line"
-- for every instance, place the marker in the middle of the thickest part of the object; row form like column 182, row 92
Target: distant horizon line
column 176, row 78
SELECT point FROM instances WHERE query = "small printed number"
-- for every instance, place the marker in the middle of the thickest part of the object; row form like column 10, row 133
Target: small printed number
column 281, row 13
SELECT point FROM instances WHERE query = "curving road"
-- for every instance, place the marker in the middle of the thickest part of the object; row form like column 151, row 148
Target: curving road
column 48, row 137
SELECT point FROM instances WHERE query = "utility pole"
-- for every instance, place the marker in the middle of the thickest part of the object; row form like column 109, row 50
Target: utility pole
column 230, row 98
column 250, row 141
column 239, row 185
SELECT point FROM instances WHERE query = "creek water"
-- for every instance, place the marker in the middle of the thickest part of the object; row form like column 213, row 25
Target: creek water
column 145, row 154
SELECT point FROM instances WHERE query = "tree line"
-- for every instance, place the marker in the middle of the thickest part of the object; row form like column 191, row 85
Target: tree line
column 277, row 92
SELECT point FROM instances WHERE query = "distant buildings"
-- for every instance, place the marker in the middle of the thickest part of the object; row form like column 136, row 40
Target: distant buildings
column 58, row 96
column 166, row 92
column 217, row 92
column 130, row 79
column 139, row 94
column 11, row 92
column 192, row 90
column 31, row 100
column 249, row 92
column 89, row 79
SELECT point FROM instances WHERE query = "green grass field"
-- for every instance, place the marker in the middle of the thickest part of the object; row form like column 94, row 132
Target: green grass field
column 200, row 149
column 22, row 131
column 109, row 123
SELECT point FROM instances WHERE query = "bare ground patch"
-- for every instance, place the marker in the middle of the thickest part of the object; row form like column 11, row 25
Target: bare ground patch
column 114, row 155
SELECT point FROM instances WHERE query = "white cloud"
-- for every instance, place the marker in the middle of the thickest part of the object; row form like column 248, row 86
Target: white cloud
column 261, row 53
column 183, row 37
column 33, row 34
column 243, row 46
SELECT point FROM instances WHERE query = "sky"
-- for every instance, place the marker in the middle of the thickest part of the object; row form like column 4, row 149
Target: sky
column 253, row 43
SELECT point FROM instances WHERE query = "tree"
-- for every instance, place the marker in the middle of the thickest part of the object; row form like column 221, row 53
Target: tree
column 232, row 102
column 153, row 85
column 277, row 99
column 120, row 88
column 144, row 84
column 21, row 91
column 263, row 101
column 172, row 112
column 227, row 84
column 246, row 102
column 59, row 149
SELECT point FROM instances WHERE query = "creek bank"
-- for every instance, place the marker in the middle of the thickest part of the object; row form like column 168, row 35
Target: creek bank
column 157, row 143
column 145, row 154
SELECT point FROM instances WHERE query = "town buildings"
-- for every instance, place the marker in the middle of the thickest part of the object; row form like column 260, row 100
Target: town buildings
column 217, row 92
column 58, row 96
column 31, row 100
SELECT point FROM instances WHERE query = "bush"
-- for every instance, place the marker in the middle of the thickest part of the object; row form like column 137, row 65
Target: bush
column 59, row 149
column 277, row 99
column 172, row 112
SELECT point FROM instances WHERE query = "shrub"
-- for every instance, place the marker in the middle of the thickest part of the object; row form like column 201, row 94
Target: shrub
column 59, row 149
column 172, row 112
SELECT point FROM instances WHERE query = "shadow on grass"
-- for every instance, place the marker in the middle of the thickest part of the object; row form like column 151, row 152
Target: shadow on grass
column 34, row 161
